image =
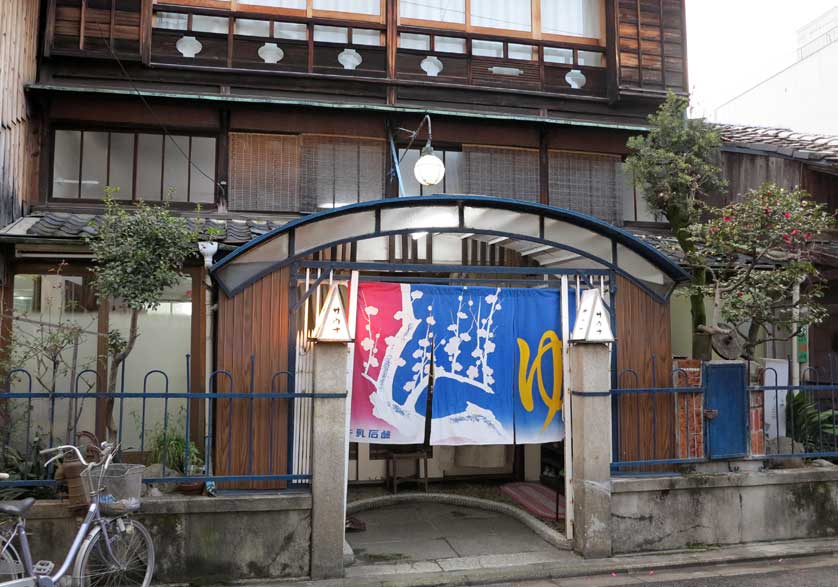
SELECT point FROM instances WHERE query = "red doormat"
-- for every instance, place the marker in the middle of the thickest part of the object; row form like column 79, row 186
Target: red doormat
column 536, row 498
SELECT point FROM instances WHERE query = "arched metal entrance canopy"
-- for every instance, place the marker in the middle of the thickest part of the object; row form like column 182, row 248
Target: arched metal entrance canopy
column 559, row 241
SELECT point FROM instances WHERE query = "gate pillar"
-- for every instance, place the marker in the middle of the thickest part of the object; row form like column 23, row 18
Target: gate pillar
column 328, row 460
column 590, row 384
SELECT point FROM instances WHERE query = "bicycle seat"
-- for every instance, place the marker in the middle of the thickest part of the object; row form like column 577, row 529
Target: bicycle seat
column 18, row 507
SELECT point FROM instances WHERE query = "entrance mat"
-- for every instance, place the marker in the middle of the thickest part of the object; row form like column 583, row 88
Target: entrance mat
column 537, row 499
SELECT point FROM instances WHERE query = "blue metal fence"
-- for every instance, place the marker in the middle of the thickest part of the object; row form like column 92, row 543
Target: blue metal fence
column 161, row 416
column 658, row 429
column 654, row 426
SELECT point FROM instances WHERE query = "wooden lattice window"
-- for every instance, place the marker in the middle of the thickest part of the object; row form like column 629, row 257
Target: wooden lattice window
column 264, row 173
column 338, row 171
column 587, row 183
column 501, row 172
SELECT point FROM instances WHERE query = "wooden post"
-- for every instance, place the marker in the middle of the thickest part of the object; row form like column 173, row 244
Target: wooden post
column 102, row 367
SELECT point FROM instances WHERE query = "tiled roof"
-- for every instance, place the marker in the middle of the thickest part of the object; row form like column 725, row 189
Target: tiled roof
column 63, row 224
column 812, row 147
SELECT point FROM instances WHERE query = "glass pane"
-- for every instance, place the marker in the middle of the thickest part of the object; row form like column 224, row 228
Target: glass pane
column 411, row 41
column 163, row 343
column 408, row 162
column 372, row 7
column 578, row 18
column 294, row 4
column 502, row 14
column 558, row 55
column 94, row 170
column 65, row 169
column 487, row 48
column 366, row 37
column 149, row 167
column 252, row 28
column 176, row 169
column 210, row 24
column 63, row 312
column 202, row 188
column 122, row 165
column 523, row 52
column 591, row 58
column 453, row 172
column 453, row 11
column 331, row 34
column 170, row 20
column 290, row 30
column 450, row 44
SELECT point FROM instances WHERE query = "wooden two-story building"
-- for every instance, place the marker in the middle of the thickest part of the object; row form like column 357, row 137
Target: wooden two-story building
column 253, row 113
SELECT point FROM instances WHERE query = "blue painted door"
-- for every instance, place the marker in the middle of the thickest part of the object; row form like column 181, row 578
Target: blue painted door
column 726, row 419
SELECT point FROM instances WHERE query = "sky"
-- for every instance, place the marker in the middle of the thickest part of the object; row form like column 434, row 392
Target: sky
column 733, row 44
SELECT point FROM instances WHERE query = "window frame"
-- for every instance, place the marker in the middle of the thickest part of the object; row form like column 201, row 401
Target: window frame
column 308, row 12
column 136, row 132
column 534, row 34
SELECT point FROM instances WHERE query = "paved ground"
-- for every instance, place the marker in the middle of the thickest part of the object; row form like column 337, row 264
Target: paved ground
column 819, row 571
column 428, row 537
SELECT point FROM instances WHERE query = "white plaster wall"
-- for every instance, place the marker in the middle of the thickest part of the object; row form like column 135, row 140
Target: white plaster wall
column 800, row 97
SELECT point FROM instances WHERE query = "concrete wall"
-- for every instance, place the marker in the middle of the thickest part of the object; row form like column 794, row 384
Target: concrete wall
column 676, row 512
column 203, row 539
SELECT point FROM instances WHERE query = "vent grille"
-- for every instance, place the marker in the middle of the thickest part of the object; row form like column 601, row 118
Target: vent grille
column 591, row 184
column 501, row 172
column 264, row 173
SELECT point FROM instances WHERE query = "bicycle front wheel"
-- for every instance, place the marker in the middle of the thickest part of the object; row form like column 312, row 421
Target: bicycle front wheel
column 129, row 562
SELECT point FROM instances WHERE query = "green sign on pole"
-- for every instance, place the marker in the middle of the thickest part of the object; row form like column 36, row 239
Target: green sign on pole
column 803, row 346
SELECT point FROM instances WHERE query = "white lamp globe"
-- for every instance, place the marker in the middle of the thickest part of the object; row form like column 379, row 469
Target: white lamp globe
column 429, row 169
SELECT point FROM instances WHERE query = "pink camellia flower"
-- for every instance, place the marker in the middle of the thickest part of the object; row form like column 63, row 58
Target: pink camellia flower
column 728, row 219
column 794, row 232
column 787, row 215
column 807, row 236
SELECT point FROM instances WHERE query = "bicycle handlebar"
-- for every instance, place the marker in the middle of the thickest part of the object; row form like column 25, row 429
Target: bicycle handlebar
column 105, row 452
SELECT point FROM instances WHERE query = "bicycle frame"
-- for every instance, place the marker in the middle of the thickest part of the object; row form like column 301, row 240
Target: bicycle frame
column 92, row 518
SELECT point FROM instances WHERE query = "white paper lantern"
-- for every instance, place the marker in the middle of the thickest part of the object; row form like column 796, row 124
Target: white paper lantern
column 430, row 169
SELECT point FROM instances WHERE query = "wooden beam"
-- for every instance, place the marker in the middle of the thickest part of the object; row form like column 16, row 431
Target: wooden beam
column 391, row 42
column 543, row 167
column 612, row 51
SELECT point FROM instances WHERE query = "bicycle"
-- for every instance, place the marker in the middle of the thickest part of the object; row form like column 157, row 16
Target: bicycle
column 110, row 548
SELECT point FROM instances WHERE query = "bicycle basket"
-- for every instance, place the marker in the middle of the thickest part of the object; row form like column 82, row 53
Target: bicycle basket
column 118, row 487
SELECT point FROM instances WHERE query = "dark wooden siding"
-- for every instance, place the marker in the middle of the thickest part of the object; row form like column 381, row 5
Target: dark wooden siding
column 18, row 133
column 745, row 172
column 651, row 47
column 253, row 331
column 646, row 422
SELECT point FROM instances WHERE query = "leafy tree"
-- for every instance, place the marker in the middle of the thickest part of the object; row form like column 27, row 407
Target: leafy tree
column 676, row 166
column 139, row 254
column 759, row 250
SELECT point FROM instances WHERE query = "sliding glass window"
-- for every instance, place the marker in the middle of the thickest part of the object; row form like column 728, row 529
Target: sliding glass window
column 133, row 166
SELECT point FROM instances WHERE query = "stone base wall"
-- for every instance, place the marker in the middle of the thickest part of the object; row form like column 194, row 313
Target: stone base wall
column 675, row 512
column 203, row 539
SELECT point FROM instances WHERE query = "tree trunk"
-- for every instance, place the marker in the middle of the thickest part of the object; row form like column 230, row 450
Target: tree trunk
column 701, row 347
column 751, row 342
column 117, row 361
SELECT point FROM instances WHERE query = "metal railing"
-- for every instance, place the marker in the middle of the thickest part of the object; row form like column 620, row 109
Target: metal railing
column 233, row 433
column 796, row 421
column 656, row 427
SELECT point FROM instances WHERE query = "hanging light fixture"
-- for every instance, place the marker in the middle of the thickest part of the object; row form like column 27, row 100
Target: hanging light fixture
column 429, row 169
